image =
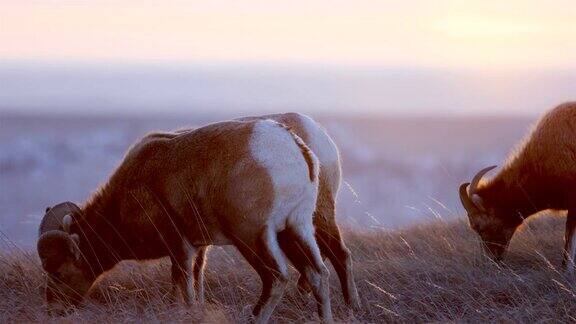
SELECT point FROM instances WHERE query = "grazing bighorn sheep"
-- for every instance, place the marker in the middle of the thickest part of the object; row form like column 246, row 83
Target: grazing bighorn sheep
column 541, row 175
column 240, row 183
column 327, row 233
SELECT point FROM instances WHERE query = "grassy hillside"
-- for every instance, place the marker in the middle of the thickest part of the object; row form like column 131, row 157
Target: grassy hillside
column 432, row 272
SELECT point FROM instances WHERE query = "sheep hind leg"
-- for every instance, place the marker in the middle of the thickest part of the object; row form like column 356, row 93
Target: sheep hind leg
column 332, row 246
column 569, row 253
column 296, row 257
column 267, row 259
column 314, row 269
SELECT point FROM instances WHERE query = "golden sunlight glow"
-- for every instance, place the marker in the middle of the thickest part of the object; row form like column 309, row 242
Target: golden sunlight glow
column 472, row 27
column 439, row 33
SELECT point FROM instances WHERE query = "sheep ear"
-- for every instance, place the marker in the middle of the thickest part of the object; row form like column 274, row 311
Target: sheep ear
column 66, row 223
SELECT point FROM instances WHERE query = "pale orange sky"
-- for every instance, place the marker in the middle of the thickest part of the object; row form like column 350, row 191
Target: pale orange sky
column 441, row 33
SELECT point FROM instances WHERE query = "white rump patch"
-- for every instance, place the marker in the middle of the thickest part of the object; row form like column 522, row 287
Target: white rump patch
column 325, row 149
column 274, row 147
column 319, row 141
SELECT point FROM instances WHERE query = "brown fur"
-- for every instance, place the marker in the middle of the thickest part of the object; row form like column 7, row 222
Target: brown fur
column 540, row 175
column 202, row 187
column 327, row 232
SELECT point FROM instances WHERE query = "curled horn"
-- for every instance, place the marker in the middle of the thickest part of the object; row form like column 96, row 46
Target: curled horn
column 477, row 178
column 465, row 199
column 468, row 192
column 55, row 217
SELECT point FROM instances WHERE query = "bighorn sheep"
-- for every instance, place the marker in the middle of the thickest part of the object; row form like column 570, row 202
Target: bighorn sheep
column 327, row 233
column 240, row 183
column 540, row 175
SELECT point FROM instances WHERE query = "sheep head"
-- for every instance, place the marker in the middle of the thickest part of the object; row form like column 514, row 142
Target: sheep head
column 486, row 219
column 67, row 282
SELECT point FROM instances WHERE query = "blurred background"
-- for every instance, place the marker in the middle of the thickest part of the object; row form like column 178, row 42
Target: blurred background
column 418, row 94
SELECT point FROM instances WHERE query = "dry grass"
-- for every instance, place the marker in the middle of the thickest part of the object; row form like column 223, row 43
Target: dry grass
column 432, row 272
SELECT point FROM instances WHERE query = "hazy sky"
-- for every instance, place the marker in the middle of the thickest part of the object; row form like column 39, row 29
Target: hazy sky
column 441, row 33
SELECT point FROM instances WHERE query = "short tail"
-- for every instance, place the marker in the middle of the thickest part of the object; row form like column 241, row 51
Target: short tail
column 309, row 156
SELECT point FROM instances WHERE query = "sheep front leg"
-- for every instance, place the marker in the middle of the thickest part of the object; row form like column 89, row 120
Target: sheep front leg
column 182, row 276
column 199, row 278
